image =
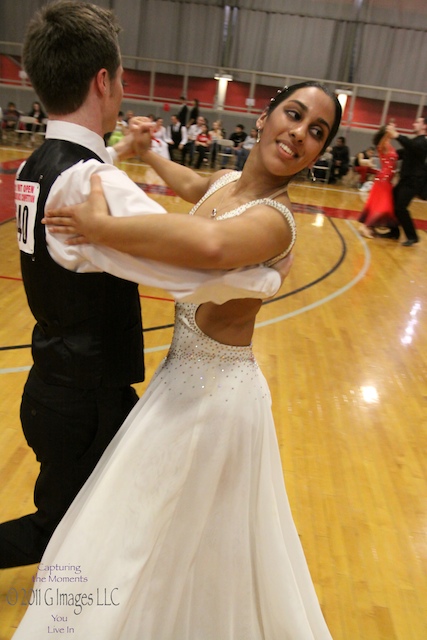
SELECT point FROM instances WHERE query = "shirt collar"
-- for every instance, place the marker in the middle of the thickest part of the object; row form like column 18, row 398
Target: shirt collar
column 61, row 130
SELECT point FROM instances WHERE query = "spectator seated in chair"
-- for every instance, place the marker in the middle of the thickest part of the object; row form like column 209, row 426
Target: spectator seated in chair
column 37, row 113
column 364, row 164
column 322, row 167
column 202, row 145
column 176, row 137
column 237, row 137
column 340, row 160
column 11, row 117
column 244, row 148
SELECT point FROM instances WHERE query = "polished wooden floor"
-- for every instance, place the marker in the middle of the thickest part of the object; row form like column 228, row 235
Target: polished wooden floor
column 344, row 349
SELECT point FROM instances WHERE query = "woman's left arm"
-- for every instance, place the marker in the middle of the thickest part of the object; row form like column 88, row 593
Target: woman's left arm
column 176, row 239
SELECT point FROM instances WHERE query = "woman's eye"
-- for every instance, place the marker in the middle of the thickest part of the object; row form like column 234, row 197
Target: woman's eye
column 317, row 132
column 295, row 115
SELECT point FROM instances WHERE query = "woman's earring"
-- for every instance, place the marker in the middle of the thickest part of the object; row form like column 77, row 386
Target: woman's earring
column 258, row 135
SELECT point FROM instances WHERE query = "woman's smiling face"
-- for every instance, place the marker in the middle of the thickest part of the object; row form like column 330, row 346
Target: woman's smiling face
column 294, row 133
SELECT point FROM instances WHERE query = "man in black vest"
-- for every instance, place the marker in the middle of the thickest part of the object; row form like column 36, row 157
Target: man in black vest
column 176, row 135
column 412, row 179
column 87, row 342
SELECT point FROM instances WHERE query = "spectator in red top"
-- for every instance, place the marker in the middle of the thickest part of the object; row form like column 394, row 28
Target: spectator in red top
column 364, row 164
column 203, row 142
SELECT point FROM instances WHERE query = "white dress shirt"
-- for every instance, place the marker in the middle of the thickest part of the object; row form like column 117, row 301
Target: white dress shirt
column 193, row 132
column 174, row 128
column 125, row 198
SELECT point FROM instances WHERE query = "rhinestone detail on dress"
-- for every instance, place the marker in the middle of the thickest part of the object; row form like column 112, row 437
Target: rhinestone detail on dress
column 232, row 177
column 195, row 346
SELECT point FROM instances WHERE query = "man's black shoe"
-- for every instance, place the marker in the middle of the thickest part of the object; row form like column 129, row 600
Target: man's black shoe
column 393, row 234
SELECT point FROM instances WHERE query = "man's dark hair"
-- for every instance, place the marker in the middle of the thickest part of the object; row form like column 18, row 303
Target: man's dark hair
column 65, row 46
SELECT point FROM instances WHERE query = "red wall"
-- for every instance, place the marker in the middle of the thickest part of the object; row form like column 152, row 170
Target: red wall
column 168, row 88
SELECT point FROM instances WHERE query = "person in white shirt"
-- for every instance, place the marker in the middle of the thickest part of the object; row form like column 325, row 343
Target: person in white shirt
column 216, row 133
column 193, row 131
column 244, row 148
column 177, row 138
column 159, row 142
column 87, row 342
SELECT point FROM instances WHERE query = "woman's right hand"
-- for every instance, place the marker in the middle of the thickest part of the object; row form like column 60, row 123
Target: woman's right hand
column 82, row 221
column 142, row 130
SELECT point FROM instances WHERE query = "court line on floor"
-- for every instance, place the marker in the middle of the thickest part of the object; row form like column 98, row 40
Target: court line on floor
column 318, row 303
column 291, row 314
column 335, row 294
column 286, row 316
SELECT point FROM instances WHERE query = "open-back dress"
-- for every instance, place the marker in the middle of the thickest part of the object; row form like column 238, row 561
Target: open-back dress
column 183, row 531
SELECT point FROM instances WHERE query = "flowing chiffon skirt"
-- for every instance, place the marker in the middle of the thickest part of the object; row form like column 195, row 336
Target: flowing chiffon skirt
column 379, row 208
column 183, row 531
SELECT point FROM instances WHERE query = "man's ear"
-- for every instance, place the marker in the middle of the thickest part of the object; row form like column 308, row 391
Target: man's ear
column 102, row 80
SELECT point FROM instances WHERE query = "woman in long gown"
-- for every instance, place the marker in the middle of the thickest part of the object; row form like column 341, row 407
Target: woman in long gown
column 379, row 208
column 183, row 531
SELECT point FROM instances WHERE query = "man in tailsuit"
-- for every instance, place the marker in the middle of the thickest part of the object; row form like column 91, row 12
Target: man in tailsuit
column 413, row 177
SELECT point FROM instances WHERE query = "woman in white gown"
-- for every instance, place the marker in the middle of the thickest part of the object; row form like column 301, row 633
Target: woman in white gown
column 183, row 531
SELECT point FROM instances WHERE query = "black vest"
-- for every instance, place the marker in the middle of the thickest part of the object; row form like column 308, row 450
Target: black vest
column 176, row 135
column 89, row 329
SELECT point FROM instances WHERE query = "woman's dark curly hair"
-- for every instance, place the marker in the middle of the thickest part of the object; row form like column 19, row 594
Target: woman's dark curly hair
column 379, row 134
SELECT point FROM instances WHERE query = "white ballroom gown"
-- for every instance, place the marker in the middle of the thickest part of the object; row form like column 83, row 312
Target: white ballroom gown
column 183, row 531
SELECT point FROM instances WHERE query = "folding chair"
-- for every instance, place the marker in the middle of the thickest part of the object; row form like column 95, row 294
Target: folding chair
column 322, row 170
column 26, row 125
column 224, row 152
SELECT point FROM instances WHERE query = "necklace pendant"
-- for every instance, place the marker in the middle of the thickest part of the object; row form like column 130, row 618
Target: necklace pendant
column 213, row 214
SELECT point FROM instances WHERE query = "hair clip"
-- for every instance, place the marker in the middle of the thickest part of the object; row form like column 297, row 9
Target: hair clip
column 278, row 92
